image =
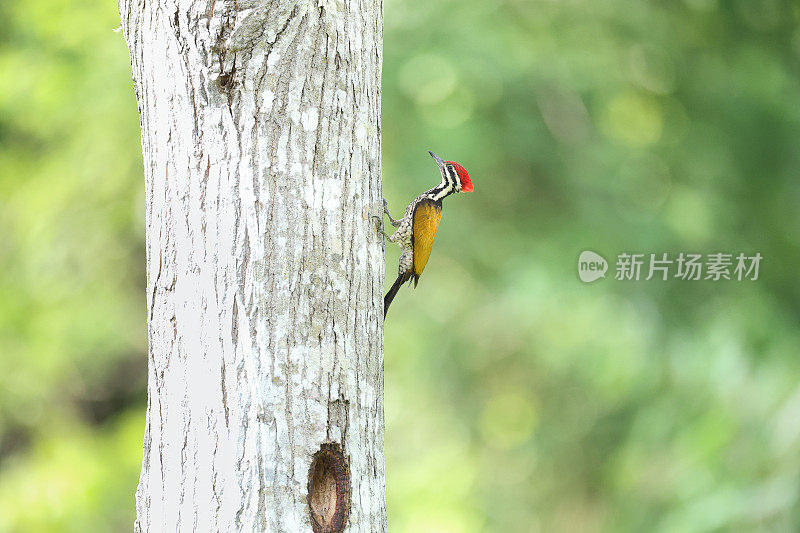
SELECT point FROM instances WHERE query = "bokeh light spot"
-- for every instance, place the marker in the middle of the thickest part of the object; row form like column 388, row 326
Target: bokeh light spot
column 451, row 112
column 508, row 419
column 427, row 79
column 632, row 119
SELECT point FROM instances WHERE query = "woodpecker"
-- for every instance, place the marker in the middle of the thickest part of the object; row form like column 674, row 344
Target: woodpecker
column 416, row 230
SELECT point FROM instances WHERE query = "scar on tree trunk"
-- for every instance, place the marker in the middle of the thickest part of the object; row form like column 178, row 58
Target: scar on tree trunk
column 329, row 489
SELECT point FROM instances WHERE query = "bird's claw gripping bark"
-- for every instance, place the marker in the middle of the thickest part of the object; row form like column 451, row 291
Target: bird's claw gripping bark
column 379, row 225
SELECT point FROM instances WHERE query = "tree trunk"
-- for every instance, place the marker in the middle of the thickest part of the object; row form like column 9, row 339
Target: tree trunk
column 261, row 139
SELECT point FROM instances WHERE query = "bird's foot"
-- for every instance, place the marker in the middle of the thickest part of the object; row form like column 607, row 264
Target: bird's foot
column 379, row 225
column 395, row 223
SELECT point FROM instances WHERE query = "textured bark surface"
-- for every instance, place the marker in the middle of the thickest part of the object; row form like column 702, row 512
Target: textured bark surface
column 261, row 141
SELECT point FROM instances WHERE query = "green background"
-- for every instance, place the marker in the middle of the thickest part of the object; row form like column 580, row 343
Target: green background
column 518, row 399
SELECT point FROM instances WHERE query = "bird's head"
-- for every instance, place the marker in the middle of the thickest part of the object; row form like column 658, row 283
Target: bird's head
column 454, row 173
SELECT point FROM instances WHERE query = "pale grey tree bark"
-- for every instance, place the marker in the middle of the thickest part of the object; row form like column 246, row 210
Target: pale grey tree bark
column 261, row 140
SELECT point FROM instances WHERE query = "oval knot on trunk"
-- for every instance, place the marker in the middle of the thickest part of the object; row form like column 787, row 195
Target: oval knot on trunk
column 329, row 489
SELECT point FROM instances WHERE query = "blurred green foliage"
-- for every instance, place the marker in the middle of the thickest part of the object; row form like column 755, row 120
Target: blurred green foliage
column 517, row 398
column 72, row 337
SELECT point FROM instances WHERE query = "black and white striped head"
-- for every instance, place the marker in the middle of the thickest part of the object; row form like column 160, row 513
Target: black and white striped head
column 454, row 177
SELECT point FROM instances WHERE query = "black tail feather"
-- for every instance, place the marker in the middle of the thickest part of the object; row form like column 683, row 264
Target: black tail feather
column 387, row 300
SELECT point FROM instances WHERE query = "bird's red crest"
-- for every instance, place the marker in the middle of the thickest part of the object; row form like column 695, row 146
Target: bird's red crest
column 466, row 182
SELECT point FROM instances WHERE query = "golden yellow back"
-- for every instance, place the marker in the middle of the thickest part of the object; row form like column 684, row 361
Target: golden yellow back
column 426, row 221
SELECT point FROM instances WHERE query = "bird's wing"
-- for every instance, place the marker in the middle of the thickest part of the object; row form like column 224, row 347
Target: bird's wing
column 427, row 215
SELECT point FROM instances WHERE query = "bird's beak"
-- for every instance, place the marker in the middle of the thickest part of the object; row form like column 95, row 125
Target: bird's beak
column 438, row 160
